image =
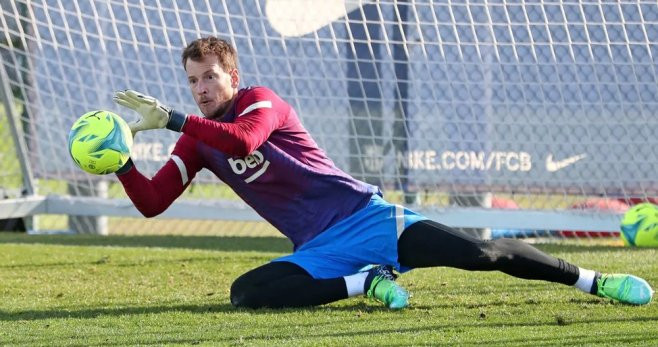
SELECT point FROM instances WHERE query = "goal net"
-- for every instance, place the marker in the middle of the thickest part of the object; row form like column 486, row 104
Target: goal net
column 512, row 118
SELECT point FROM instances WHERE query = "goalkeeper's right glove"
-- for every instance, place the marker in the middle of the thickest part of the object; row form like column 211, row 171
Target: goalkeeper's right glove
column 153, row 115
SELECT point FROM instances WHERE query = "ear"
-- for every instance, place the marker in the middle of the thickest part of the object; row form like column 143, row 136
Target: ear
column 235, row 78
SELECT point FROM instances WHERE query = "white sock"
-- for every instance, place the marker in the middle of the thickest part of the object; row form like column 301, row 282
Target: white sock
column 585, row 280
column 354, row 283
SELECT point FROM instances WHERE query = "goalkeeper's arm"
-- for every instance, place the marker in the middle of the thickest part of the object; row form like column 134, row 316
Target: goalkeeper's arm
column 261, row 112
column 152, row 196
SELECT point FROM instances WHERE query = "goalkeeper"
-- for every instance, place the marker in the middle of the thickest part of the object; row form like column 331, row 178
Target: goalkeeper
column 253, row 141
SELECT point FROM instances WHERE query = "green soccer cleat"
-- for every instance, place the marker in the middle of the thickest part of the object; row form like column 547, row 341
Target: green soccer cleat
column 380, row 284
column 628, row 289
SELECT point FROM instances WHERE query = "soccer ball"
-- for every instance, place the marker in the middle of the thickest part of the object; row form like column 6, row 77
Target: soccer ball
column 100, row 142
column 639, row 227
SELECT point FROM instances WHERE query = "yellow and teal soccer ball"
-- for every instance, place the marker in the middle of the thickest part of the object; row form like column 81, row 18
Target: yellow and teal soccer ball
column 100, row 142
column 639, row 227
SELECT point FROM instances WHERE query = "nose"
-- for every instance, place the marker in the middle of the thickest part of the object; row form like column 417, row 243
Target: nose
column 200, row 88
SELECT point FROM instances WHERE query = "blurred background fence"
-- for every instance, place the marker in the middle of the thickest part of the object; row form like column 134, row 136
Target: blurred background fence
column 513, row 119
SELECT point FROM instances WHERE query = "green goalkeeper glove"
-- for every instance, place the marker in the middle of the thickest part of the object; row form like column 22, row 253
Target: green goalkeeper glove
column 153, row 115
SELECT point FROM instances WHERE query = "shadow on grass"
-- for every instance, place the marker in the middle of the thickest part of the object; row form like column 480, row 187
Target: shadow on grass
column 96, row 312
column 215, row 243
column 91, row 313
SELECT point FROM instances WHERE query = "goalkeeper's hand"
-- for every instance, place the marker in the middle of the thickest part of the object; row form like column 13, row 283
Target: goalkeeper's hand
column 153, row 115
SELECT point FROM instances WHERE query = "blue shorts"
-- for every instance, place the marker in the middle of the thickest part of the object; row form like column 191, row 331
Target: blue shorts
column 369, row 236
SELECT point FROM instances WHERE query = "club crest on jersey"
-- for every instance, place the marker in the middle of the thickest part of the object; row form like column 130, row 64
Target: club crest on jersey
column 253, row 160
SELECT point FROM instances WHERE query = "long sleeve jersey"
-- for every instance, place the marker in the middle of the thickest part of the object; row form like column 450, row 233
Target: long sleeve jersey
column 261, row 150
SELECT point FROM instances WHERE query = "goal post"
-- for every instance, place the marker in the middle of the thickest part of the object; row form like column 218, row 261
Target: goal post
column 524, row 118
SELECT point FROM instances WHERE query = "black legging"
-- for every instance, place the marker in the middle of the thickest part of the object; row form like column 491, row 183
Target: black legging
column 423, row 244
column 284, row 284
column 428, row 243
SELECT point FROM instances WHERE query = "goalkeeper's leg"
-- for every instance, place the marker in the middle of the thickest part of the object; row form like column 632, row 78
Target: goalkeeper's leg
column 284, row 284
column 429, row 244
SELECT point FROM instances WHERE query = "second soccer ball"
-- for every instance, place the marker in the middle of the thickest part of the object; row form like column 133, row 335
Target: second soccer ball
column 639, row 227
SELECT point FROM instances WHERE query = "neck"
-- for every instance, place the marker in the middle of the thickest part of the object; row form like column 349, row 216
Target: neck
column 222, row 112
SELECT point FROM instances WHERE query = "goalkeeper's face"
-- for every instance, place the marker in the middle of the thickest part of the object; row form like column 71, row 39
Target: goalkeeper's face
column 212, row 87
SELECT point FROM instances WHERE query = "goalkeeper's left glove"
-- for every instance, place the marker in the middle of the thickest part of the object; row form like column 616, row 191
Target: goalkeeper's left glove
column 153, row 115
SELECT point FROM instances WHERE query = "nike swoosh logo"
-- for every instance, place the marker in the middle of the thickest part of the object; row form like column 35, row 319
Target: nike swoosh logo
column 552, row 165
column 293, row 18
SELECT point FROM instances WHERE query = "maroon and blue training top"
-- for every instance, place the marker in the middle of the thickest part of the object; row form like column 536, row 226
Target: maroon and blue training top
column 261, row 150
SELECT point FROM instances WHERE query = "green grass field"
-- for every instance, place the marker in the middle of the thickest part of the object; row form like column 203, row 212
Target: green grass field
column 142, row 290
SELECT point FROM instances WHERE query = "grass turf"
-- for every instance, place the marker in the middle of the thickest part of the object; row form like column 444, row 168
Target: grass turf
column 126, row 290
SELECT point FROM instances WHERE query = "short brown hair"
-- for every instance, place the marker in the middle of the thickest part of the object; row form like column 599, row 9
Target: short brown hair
column 197, row 49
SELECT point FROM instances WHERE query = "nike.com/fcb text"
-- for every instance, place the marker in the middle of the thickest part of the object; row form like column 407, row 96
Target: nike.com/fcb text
column 466, row 160
column 473, row 161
